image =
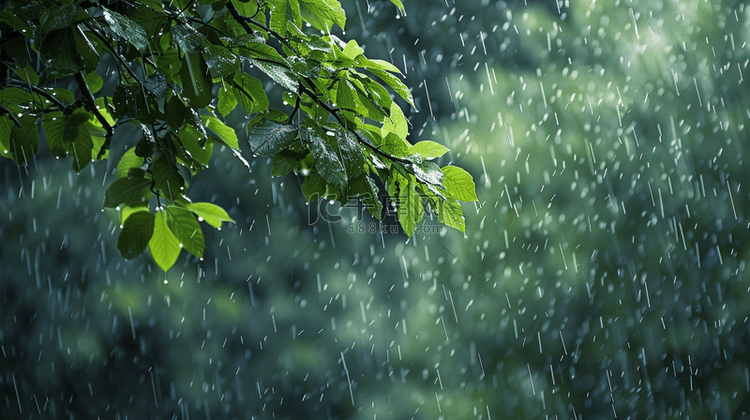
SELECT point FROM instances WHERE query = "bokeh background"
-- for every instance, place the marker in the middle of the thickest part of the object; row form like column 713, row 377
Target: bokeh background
column 602, row 275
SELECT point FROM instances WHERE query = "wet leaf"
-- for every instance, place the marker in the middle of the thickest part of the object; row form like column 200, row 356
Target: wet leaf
column 167, row 177
column 428, row 149
column 199, row 149
column 210, row 213
column 125, row 190
column 136, row 233
column 459, row 183
column 126, row 29
column 220, row 61
column 196, row 84
column 249, row 93
column 279, row 74
column 185, row 227
column 164, row 246
column 225, row 133
column 21, row 143
column 351, row 154
column 59, row 55
column 328, row 161
column 59, row 17
column 409, row 208
column 269, row 137
column 323, row 14
column 156, row 84
column 128, row 161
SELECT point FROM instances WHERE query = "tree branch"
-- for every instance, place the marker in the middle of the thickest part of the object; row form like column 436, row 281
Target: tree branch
column 335, row 112
column 243, row 20
column 39, row 91
column 90, row 102
column 10, row 114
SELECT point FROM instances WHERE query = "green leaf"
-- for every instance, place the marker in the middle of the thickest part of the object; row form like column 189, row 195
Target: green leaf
column 81, row 148
column 400, row 6
column 54, row 129
column 451, row 214
column 428, row 149
column 199, row 150
column 396, row 123
column 28, row 74
column 125, row 190
column 189, row 40
column 128, row 101
column 268, row 137
column 364, row 187
column 163, row 245
column 126, row 29
column 128, row 161
column 156, row 84
column 395, row 145
column 285, row 162
column 427, row 173
column 225, row 133
column 254, row 46
column 59, row 17
column 227, row 99
column 323, row 14
column 167, row 177
column 59, row 54
column 8, row 17
column 249, row 93
column 70, row 134
column 185, row 227
column 195, row 81
column 220, row 61
column 22, row 142
column 377, row 93
column 314, row 187
column 136, row 233
column 397, row 85
column 246, row 8
column 327, row 159
column 278, row 16
column 351, row 153
column 5, row 128
column 296, row 14
column 346, row 98
column 280, row 74
column 94, row 81
column 374, row 64
column 210, row 213
column 410, row 208
column 176, row 113
column 353, row 50
column 459, row 183
column 16, row 100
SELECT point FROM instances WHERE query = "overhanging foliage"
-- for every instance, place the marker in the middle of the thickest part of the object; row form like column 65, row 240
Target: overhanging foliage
column 181, row 68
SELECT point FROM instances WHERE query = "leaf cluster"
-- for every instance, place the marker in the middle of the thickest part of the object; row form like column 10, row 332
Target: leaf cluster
column 180, row 68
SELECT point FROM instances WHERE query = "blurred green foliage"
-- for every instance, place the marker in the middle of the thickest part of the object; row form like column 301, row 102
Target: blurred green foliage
column 603, row 274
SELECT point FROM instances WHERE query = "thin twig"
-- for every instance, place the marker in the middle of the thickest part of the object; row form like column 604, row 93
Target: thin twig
column 10, row 114
column 39, row 91
column 88, row 99
column 335, row 113
column 117, row 56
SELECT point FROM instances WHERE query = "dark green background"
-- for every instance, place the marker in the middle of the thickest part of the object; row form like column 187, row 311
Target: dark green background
column 602, row 274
